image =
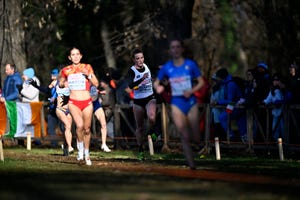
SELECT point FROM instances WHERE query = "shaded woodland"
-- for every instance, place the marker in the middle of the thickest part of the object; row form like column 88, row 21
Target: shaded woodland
column 232, row 33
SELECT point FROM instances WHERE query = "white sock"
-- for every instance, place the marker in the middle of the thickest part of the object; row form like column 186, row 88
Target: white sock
column 80, row 146
column 86, row 153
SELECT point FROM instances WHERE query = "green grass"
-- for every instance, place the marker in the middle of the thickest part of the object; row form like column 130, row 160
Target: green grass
column 46, row 174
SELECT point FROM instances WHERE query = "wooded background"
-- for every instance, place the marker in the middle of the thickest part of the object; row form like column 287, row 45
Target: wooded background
column 233, row 33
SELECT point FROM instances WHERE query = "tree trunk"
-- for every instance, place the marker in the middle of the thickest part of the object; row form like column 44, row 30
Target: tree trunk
column 11, row 35
column 109, row 56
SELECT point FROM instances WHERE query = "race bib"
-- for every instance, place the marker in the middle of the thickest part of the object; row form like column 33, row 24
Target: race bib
column 76, row 81
column 180, row 84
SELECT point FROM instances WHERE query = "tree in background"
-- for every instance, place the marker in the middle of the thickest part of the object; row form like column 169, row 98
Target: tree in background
column 11, row 36
column 238, row 33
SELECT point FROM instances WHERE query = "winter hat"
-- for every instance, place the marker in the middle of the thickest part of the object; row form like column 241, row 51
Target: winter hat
column 29, row 72
column 263, row 65
column 54, row 72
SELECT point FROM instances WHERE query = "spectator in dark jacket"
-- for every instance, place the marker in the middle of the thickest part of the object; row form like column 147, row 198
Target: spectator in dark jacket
column 294, row 83
column 263, row 80
column 108, row 101
column 13, row 80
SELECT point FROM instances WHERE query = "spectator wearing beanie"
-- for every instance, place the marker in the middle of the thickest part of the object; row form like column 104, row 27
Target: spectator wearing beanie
column 28, row 92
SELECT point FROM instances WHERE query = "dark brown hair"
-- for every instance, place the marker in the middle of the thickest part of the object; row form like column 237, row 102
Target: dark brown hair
column 136, row 51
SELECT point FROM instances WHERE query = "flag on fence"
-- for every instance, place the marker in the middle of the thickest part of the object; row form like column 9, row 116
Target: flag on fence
column 23, row 118
column 2, row 118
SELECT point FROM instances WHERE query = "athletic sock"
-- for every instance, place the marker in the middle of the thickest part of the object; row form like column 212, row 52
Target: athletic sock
column 86, row 153
column 80, row 150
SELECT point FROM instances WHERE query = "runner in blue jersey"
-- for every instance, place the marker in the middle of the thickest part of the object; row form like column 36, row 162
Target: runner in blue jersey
column 181, row 73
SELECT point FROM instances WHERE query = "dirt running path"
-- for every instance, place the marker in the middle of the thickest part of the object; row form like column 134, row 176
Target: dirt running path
column 201, row 174
column 165, row 170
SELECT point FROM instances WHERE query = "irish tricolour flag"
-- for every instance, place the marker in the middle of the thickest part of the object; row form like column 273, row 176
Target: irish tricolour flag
column 2, row 118
column 23, row 118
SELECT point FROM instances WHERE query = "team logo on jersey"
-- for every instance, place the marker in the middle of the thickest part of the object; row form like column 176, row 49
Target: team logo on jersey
column 138, row 76
column 187, row 67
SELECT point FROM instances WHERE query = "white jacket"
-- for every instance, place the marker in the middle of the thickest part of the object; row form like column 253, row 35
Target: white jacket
column 30, row 93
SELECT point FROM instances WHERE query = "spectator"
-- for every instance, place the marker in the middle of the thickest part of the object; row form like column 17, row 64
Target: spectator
column 122, row 96
column 275, row 98
column 50, row 92
column 294, row 83
column 250, row 98
column 28, row 92
column 232, row 94
column 12, row 82
column 263, row 80
column 217, row 94
column 108, row 104
column 293, row 86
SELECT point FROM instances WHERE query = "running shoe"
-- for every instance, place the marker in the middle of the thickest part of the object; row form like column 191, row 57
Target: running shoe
column 71, row 150
column 80, row 156
column 88, row 161
column 105, row 148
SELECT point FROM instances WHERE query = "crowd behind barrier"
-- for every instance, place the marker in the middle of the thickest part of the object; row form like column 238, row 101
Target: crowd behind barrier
column 124, row 127
column 258, row 134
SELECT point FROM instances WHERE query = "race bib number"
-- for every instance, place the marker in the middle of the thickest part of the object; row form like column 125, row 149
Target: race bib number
column 145, row 86
column 76, row 81
column 180, row 84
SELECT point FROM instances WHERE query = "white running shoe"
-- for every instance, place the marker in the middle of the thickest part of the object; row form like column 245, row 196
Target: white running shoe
column 105, row 148
column 80, row 156
column 88, row 161
column 71, row 150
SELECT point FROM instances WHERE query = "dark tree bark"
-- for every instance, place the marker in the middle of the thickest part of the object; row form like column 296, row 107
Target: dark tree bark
column 11, row 35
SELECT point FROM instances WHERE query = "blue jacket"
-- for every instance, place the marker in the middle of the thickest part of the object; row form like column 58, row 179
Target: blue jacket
column 232, row 92
column 10, row 90
column 273, row 99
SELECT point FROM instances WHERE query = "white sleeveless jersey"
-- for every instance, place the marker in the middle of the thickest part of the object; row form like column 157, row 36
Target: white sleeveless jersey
column 62, row 91
column 145, row 88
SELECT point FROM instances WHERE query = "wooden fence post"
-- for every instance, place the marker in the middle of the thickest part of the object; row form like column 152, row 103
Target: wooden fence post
column 217, row 147
column 250, row 129
column 28, row 140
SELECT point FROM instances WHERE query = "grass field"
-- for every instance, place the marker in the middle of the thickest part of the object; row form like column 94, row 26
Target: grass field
column 44, row 173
